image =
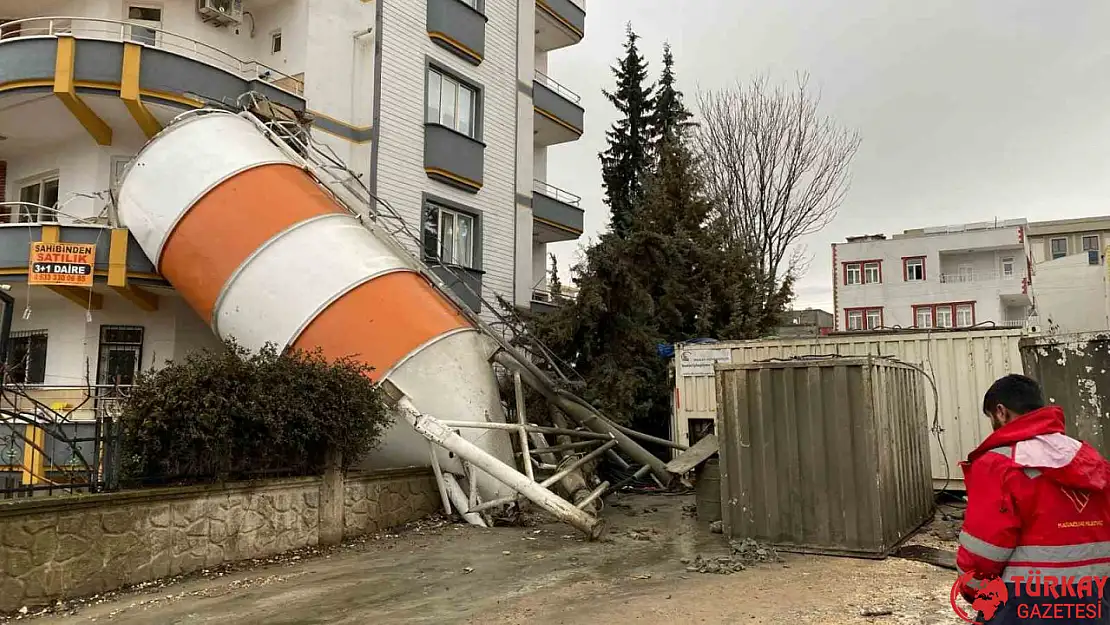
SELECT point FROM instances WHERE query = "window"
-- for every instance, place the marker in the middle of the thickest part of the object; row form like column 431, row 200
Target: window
column 966, row 273
column 120, row 356
column 913, row 269
column 1090, row 243
column 872, row 273
column 1059, row 248
column 965, row 315
column 39, row 199
column 852, row 274
column 451, row 103
column 855, row 319
column 864, row 318
column 1008, row 267
column 27, row 357
column 943, row 316
column 119, row 167
column 451, row 235
column 275, row 42
column 923, row 316
column 145, row 22
column 874, row 319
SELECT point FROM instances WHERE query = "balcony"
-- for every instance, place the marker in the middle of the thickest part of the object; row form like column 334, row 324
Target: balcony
column 556, row 214
column 458, row 28
column 113, row 75
column 544, row 301
column 453, row 158
column 1012, row 290
column 558, row 113
column 559, row 23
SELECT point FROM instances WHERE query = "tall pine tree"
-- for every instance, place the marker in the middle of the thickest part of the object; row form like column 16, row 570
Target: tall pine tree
column 627, row 159
column 671, row 119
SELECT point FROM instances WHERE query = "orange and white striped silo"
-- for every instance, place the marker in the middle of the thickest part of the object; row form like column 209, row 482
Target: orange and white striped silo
column 263, row 254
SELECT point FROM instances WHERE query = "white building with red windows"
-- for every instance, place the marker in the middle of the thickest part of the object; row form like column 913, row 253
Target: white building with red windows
column 946, row 277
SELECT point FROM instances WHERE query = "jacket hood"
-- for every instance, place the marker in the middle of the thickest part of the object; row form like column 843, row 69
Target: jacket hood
column 1037, row 441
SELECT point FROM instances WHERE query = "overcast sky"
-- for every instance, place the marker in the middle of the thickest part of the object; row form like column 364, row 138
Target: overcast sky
column 968, row 109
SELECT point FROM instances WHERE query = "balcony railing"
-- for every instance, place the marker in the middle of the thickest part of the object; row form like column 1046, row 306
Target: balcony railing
column 553, row 85
column 115, row 30
column 975, row 276
column 555, row 193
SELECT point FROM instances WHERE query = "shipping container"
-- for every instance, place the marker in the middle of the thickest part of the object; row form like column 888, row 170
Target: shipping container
column 1074, row 370
column 962, row 364
column 824, row 455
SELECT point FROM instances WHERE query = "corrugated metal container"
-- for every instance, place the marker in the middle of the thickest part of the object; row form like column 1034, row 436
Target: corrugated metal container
column 963, row 365
column 1074, row 370
column 824, row 456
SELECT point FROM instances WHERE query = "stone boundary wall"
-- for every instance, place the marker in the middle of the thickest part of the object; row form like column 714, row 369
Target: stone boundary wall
column 59, row 547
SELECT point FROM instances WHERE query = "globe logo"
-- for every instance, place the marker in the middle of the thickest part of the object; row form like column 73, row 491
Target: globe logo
column 992, row 596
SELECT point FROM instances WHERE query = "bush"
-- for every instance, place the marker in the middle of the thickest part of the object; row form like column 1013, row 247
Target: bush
column 233, row 414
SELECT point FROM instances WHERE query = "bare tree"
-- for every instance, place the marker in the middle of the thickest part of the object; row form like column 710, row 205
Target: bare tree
column 777, row 171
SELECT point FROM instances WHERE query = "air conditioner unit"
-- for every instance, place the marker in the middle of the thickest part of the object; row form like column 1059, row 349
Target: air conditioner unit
column 222, row 12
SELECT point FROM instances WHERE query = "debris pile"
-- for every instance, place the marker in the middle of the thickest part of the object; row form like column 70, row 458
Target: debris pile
column 742, row 554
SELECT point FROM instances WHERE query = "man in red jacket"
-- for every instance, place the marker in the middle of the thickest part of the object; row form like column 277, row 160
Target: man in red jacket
column 1038, row 514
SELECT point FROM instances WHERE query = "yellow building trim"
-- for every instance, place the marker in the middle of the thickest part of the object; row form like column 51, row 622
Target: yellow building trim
column 343, row 137
column 435, row 171
column 562, row 123
column 66, row 91
column 144, row 300
column 455, row 43
column 51, row 234
column 129, row 90
column 338, row 121
column 82, row 297
column 547, row 9
column 33, row 459
column 117, row 258
column 557, row 226
column 25, row 84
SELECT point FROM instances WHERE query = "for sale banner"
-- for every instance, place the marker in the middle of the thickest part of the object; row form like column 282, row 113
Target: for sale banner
column 61, row 264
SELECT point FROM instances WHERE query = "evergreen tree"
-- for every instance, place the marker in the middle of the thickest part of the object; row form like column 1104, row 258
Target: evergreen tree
column 626, row 160
column 554, row 285
column 671, row 118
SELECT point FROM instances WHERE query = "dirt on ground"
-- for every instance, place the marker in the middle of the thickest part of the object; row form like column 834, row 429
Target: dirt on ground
column 645, row 570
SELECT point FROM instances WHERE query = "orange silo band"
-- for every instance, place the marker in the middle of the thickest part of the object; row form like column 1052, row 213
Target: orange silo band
column 382, row 321
column 230, row 222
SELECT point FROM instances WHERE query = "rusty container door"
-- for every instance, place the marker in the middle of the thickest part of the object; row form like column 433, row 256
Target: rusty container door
column 824, row 456
column 1074, row 370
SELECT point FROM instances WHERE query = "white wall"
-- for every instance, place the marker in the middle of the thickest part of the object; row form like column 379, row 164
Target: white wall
column 898, row 297
column 401, row 176
column 527, row 167
column 81, row 166
column 539, row 267
column 73, row 340
column 1071, row 294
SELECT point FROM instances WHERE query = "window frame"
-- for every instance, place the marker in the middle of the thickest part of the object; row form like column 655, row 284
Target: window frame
column 937, row 308
column 1051, row 248
column 37, row 369
column 136, row 23
column 864, row 314
column 441, row 207
column 43, row 215
column 104, row 349
column 917, row 310
column 970, row 308
column 1013, row 267
column 878, row 265
column 1083, row 243
column 276, row 42
column 849, row 269
column 907, row 261
column 442, row 74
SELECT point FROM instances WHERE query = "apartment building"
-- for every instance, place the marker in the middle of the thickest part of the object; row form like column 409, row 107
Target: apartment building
column 1071, row 289
column 1056, row 239
column 443, row 108
column 946, row 277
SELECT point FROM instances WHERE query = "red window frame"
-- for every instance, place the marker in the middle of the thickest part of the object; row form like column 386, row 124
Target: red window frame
column 862, row 271
column 951, row 306
column 906, row 268
column 863, row 310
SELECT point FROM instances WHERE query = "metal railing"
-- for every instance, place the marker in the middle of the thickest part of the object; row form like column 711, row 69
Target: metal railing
column 554, row 85
column 119, row 31
column 555, row 193
column 59, row 440
column 973, row 276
